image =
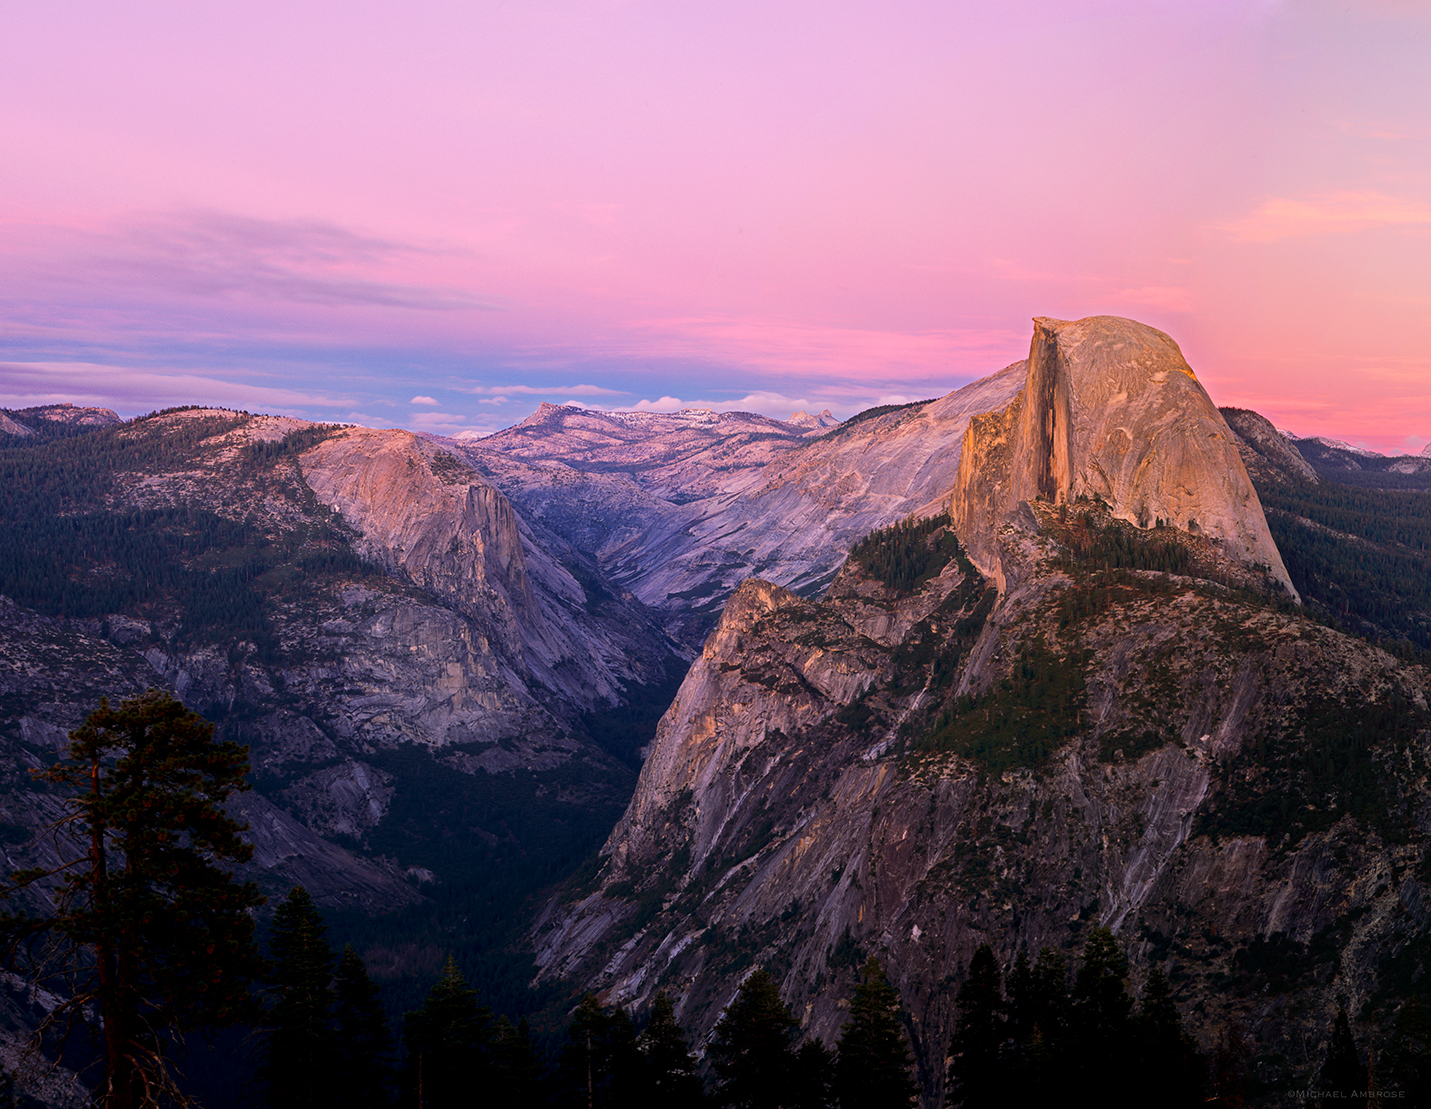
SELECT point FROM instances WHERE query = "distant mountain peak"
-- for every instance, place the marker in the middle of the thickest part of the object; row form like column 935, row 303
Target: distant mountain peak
column 1343, row 445
column 804, row 419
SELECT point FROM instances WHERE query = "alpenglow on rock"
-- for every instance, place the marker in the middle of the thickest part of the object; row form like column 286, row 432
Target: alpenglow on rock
column 1110, row 409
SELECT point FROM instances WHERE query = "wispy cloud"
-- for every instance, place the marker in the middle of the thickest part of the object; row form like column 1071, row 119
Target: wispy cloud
column 211, row 254
column 1335, row 213
column 424, row 400
column 127, row 389
column 541, row 390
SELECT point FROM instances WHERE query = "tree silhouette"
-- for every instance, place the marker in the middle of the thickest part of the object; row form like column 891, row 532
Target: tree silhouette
column 976, row 1071
column 519, row 1073
column 1343, row 1073
column 1166, row 1060
column 447, row 1043
column 872, row 1069
column 751, row 1051
column 147, row 928
column 300, row 1046
column 669, row 1062
column 362, row 1040
column 1101, row 1009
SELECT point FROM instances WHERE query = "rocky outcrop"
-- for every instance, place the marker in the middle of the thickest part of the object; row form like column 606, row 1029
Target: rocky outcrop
column 1110, row 410
column 1266, row 452
column 26, row 421
column 1110, row 729
column 825, row 419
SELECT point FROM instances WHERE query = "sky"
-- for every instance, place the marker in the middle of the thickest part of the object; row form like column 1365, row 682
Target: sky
column 439, row 215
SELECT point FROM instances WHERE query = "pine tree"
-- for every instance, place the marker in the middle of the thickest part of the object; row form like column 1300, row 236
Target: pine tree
column 1101, row 1002
column 1343, row 1072
column 448, row 1044
column 751, row 1052
column 300, row 1045
column 669, row 1062
column 1039, row 1065
column 584, row 1072
column 149, row 928
column 814, row 1077
column 873, row 1065
column 976, row 1069
column 1101, row 1009
column 1020, row 1005
column 1166, row 1059
column 363, row 1040
column 519, row 1075
column 624, row 1061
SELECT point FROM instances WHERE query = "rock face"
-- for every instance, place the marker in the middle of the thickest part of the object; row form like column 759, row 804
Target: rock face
column 1110, row 410
column 1101, row 731
column 422, row 512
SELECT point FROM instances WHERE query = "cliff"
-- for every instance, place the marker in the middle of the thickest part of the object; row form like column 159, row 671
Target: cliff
column 1110, row 410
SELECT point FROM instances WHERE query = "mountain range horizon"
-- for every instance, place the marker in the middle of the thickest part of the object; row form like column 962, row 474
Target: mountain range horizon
column 677, row 695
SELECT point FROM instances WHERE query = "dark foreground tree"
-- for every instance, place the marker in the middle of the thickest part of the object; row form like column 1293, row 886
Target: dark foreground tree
column 751, row 1051
column 976, row 1066
column 520, row 1075
column 601, row 1063
column 148, row 929
column 873, row 1065
column 301, row 1046
column 1343, row 1073
column 670, row 1066
column 1166, row 1060
column 362, row 1040
column 448, row 1044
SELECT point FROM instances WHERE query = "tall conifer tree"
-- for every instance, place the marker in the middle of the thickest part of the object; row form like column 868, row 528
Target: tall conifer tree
column 147, row 927
column 1101, row 1009
column 873, row 1066
column 300, row 1046
column 448, row 1044
column 751, row 1051
column 1343, row 1074
column 670, row 1065
column 519, row 1076
column 976, row 1066
column 1166, row 1060
column 363, row 1040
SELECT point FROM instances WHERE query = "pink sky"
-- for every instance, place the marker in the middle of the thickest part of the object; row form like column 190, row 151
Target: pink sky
column 437, row 216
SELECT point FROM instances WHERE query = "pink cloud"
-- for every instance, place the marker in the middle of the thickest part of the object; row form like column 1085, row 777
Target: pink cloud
column 1337, row 213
